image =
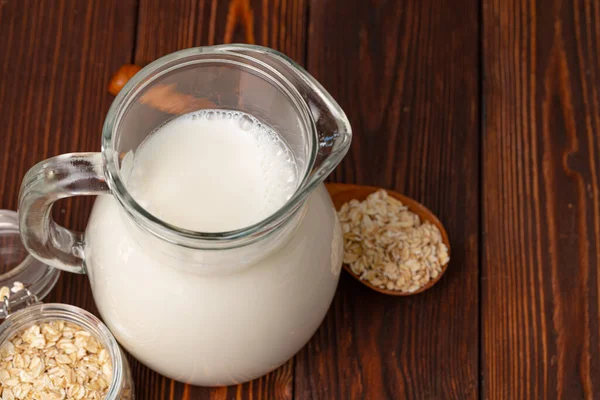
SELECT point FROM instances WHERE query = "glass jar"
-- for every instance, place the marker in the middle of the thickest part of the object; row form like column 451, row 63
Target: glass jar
column 121, row 386
column 202, row 307
column 30, row 281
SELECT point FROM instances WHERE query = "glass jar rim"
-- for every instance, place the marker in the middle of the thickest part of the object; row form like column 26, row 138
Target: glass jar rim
column 38, row 278
column 197, row 239
column 42, row 312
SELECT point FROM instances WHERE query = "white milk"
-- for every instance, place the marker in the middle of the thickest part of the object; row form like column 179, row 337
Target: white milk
column 213, row 171
column 214, row 317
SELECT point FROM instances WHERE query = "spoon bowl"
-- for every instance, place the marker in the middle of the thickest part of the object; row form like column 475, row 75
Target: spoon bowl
column 342, row 193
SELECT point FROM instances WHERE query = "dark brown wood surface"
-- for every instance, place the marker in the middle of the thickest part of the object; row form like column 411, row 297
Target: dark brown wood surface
column 405, row 72
column 486, row 111
column 56, row 58
column 541, row 200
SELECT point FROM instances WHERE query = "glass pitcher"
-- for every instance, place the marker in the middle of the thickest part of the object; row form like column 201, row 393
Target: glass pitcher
column 204, row 308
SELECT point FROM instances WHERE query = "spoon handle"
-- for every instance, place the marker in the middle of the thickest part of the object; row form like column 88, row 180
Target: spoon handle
column 121, row 77
column 162, row 97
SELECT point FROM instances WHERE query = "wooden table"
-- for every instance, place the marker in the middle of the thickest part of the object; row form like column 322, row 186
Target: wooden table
column 487, row 111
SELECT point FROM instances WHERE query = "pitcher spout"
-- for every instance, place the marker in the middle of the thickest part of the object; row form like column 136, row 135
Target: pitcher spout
column 331, row 128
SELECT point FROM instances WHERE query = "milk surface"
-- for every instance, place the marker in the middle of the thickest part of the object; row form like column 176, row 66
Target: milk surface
column 213, row 171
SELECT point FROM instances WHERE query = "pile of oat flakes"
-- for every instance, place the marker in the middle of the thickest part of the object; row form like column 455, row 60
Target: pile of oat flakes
column 54, row 360
column 387, row 245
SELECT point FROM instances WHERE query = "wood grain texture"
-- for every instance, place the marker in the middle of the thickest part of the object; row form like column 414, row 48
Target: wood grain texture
column 56, row 58
column 406, row 73
column 540, row 281
column 165, row 26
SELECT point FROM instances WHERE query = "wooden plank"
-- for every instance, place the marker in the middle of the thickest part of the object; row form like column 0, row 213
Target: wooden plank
column 56, row 58
column 406, row 73
column 170, row 25
column 165, row 26
column 540, row 282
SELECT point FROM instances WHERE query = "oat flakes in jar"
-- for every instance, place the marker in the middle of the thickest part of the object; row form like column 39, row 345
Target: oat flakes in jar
column 213, row 248
column 50, row 351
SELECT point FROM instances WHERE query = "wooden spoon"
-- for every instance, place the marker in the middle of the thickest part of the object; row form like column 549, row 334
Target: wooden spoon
column 342, row 193
column 165, row 98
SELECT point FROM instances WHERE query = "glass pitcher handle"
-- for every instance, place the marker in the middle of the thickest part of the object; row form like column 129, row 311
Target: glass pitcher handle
column 76, row 174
